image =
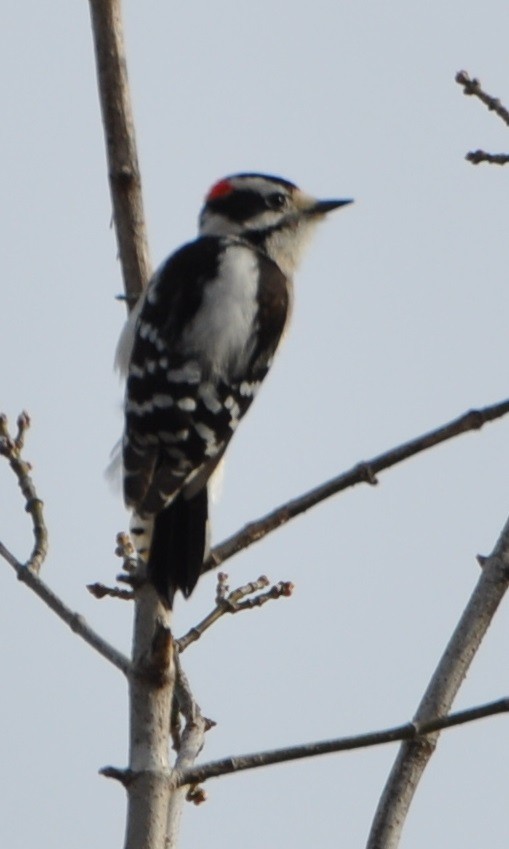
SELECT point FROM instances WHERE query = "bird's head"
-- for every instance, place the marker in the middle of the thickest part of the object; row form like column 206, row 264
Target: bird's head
column 270, row 213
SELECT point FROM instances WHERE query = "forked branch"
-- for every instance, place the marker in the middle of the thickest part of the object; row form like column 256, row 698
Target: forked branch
column 413, row 731
column 11, row 448
column 247, row 597
column 414, row 755
column 472, row 86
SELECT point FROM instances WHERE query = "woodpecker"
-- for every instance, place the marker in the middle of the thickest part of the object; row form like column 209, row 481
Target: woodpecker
column 196, row 348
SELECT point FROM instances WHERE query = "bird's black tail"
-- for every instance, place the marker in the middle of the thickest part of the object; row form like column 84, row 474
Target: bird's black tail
column 178, row 546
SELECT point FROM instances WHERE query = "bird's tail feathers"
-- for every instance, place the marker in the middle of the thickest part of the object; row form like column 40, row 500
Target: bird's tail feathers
column 174, row 544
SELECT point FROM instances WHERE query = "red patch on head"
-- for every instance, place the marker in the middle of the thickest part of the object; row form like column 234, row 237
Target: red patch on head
column 219, row 190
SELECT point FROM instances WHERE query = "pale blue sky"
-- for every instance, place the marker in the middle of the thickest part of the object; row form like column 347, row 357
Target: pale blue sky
column 400, row 324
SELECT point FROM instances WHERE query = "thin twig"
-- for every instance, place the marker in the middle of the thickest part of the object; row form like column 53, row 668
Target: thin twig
column 102, row 591
column 478, row 156
column 414, row 755
column 409, row 731
column 75, row 621
column 11, row 447
column 123, row 168
column 472, row 86
column 124, row 776
column 234, row 602
column 364, row 472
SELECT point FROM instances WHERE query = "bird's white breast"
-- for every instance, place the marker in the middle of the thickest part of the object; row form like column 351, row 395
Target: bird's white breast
column 222, row 333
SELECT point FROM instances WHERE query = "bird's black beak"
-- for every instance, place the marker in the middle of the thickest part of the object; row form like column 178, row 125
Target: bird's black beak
column 321, row 207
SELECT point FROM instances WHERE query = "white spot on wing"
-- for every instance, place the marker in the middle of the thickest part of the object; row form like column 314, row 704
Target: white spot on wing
column 151, row 334
column 187, row 404
column 136, row 371
column 208, row 395
column 208, row 436
column 234, row 410
column 188, row 373
column 161, row 402
column 170, row 437
column 247, row 389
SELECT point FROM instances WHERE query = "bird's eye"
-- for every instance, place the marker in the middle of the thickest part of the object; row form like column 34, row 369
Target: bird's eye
column 276, row 201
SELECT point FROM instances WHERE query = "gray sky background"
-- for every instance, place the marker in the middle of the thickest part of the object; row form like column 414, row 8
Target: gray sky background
column 400, row 324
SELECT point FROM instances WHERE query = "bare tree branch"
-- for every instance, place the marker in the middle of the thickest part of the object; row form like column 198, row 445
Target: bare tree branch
column 153, row 676
column 414, row 731
column 414, row 755
column 11, row 447
column 123, row 169
column 363, row 472
column 75, row 621
column 472, row 86
column 234, row 602
column 99, row 591
column 151, row 688
column 477, row 156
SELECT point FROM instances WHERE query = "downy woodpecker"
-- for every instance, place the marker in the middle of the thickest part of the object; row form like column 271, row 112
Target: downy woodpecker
column 196, row 348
